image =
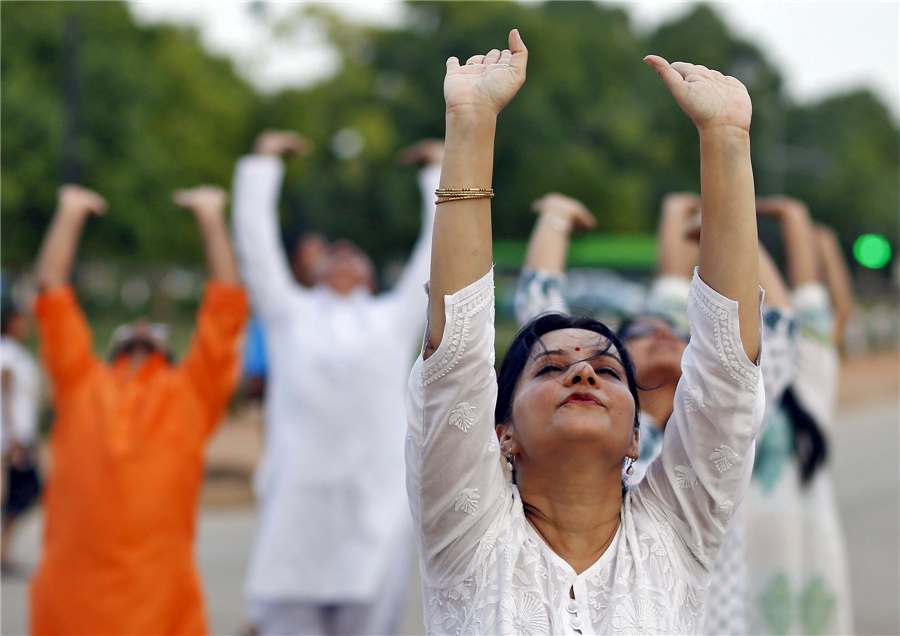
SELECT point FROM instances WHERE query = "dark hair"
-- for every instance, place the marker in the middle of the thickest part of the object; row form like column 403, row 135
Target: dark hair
column 532, row 332
column 810, row 444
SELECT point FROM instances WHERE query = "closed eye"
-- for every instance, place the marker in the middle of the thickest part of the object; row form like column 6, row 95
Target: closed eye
column 609, row 371
column 547, row 369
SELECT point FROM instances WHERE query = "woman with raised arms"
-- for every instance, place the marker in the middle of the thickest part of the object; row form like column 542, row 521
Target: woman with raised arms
column 564, row 548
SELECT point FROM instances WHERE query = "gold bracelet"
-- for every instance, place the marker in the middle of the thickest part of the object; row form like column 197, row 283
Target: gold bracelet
column 445, row 195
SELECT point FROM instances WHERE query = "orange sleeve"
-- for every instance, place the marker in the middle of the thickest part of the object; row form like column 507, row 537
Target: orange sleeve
column 66, row 339
column 212, row 363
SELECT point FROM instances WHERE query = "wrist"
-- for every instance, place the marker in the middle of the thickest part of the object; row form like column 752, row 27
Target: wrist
column 471, row 115
column 725, row 133
column 556, row 222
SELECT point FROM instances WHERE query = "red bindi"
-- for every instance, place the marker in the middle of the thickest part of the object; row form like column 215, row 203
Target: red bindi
column 577, row 348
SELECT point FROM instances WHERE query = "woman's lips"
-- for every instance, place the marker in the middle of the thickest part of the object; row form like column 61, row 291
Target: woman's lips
column 583, row 398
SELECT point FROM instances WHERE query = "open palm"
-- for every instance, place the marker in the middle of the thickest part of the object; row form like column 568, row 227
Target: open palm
column 708, row 97
column 486, row 81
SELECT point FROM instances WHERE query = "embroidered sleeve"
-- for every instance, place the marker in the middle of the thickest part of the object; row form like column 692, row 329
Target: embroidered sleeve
column 539, row 292
column 698, row 480
column 455, row 481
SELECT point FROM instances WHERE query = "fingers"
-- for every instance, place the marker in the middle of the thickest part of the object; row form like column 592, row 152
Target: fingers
column 505, row 57
column 475, row 59
column 492, row 57
column 670, row 76
column 452, row 63
column 518, row 52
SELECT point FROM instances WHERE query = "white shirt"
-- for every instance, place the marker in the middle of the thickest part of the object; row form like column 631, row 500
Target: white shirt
column 26, row 387
column 330, row 483
column 485, row 570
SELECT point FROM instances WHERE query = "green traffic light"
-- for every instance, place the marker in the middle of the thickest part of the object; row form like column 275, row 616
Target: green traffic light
column 872, row 251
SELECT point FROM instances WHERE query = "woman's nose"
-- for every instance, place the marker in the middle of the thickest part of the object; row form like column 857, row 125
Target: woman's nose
column 582, row 372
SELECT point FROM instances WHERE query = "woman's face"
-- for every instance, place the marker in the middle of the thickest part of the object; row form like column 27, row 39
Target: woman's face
column 572, row 392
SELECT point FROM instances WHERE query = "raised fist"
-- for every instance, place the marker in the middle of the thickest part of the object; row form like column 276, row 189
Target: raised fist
column 73, row 199
column 566, row 209
column 203, row 201
column 281, row 143
column 423, row 152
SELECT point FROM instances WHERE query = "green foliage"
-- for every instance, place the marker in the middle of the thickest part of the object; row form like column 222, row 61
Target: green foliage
column 593, row 121
column 155, row 112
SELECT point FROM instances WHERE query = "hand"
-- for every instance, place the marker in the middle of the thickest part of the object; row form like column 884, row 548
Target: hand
column 568, row 210
column 486, row 82
column 681, row 204
column 710, row 99
column 204, row 201
column 423, row 152
column 75, row 200
column 281, row 143
column 780, row 206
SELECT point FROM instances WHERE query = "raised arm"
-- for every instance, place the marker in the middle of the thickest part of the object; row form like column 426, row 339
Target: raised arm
column 721, row 110
column 542, row 280
column 837, row 278
column 777, row 292
column 475, row 93
column 677, row 252
column 264, row 265
column 799, row 239
column 559, row 217
column 408, row 294
column 207, row 203
column 57, row 255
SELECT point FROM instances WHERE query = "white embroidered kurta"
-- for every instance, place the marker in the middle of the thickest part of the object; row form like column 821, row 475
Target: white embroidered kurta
column 485, row 570
column 26, row 387
column 540, row 291
column 330, row 485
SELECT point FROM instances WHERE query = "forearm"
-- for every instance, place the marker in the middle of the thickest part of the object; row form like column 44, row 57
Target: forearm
column 729, row 260
column 800, row 247
column 777, row 293
column 219, row 255
column 461, row 245
column 838, row 281
column 548, row 247
column 677, row 255
column 57, row 254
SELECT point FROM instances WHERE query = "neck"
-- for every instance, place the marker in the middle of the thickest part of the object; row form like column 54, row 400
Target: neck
column 576, row 511
column 658, row 402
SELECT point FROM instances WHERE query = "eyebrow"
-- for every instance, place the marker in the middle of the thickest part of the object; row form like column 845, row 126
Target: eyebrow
column 597, row 353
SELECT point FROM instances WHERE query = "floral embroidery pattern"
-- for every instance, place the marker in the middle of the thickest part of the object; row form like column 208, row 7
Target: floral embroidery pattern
column 637, row 617
column 817, row 607
column 724, row 458
column 527, row 615
column 723, row 512
column 467, row 501
column 685, row 476
column 463, row 416
column 693, row 399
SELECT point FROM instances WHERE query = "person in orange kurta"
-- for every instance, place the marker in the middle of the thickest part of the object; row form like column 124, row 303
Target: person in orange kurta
column 128, row 443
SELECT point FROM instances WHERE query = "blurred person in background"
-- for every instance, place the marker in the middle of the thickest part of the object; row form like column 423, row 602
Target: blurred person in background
column 21, row 392
column 128, row 441
column 334, row 538
column 656, row 338
column 796, row 558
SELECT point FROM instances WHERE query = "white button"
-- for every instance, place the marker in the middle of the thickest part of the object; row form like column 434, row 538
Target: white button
column 572, row 606
column 575, row 623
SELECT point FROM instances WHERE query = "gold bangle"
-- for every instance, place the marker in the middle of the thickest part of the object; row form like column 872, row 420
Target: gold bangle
column 445, row 195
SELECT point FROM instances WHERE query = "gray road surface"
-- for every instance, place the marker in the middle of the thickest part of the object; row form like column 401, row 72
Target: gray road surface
column 866, row 468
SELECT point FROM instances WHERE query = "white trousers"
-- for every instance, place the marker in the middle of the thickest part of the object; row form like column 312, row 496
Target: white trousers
column 383, row 616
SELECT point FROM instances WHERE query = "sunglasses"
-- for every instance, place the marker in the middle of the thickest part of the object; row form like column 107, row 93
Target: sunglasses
column 647, row 329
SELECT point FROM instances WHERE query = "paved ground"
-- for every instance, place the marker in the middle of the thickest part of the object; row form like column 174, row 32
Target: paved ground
column 866, row 468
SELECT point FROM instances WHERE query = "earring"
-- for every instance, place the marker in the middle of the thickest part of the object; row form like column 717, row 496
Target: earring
column 509, row 462
column 630, row 470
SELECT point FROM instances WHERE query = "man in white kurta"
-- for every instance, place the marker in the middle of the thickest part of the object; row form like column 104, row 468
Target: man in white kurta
column 334, row 537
